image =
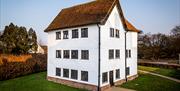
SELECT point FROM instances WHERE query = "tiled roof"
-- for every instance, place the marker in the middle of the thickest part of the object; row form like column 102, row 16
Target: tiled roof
column 95, row 12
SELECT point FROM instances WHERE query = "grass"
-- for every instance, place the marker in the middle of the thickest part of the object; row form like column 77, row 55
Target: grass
column 147, row 82
column 34, row 82
column 166, row 72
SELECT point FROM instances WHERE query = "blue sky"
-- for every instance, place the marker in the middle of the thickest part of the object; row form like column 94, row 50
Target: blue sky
column 148, row 15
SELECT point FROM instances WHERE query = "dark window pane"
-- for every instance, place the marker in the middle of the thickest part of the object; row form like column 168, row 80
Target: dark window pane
column 127, row 70
column 58, row 71
column 117, row 53
column 117, row 74
column 74, row 54
column 84, row 75
column 58, row 35
column 117, row 33
column 65, row 34
column 84, row 54
column 58, row 53
column 111, row 32
column 111, row 54
column 129, row 53
column 66, row 53
column 74, row 74
column 84, row 32
column 75, row 33
column 66, row 73
column 104, row 77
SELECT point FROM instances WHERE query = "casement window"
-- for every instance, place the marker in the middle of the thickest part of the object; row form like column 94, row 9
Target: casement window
column 66, row 54
column 104, row 77
column 117, row 73
column 85, row 54
column 117, row 33
column 127, row 71
column 74, row 74
column 58, row 71
column 117, row 53
column 84, row 32
column 65, row 35
column 111, row 54
column 74, row 54
column 58, row 35
column 58, row 53
column 75, row 33
column 111, row 32
column 128, row 53
column 66, row 73
column 84, row 75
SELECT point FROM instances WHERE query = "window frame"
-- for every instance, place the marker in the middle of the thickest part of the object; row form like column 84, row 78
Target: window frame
column 111, row 56
column 58, row 53
column 66, row 34
column 75, row 33
column 58, row 71
column 117, row 33
column 111, row 32
column 117, row 73
column 84, row 32
column 83, row 76
column 85, row 54
column 74, row 56
column 127, row 71
column 75, row 77
column 105, row 80
column 66, row 54
column 66, row 75
column 117, row 54
column 58, row 35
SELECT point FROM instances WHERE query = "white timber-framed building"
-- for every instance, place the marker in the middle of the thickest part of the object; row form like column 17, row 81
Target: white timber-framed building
column 92, row 46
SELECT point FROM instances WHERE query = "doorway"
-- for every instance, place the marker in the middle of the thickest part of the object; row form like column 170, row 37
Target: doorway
column 111, row 78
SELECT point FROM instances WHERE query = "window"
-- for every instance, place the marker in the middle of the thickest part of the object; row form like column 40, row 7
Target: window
column 117, row 53
column 84, row 75
column 66, row 53
column 58, row 35
column 84, row 54
column 128, row 53
column 74, row 74
column 111, row 32
column 65, row 34
column 58, row 71
column 84, row 32
column 117, row 33
column 75, row 33
column 58, row 53
column 74, row 54
column 66, row 73
column 117, row 73
column 111, row 54
column 104, row 77
column 127, row 71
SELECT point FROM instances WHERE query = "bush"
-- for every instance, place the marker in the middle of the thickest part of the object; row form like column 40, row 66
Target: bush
column 9, row 70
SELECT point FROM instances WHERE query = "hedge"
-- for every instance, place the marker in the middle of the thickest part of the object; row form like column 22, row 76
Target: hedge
column 9, row 70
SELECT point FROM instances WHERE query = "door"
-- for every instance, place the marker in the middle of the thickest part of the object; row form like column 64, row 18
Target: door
column 111, row 77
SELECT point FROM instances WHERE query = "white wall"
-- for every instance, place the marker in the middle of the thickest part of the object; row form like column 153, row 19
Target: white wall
column 79, row 44
column 108, row 42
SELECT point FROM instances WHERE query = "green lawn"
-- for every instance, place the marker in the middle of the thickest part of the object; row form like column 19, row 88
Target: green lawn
column 147, row 82
column 34, row 82
column 166, row 72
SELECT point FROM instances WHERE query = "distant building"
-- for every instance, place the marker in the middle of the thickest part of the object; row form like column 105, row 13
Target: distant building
column 92, row 46
column 39, row 50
